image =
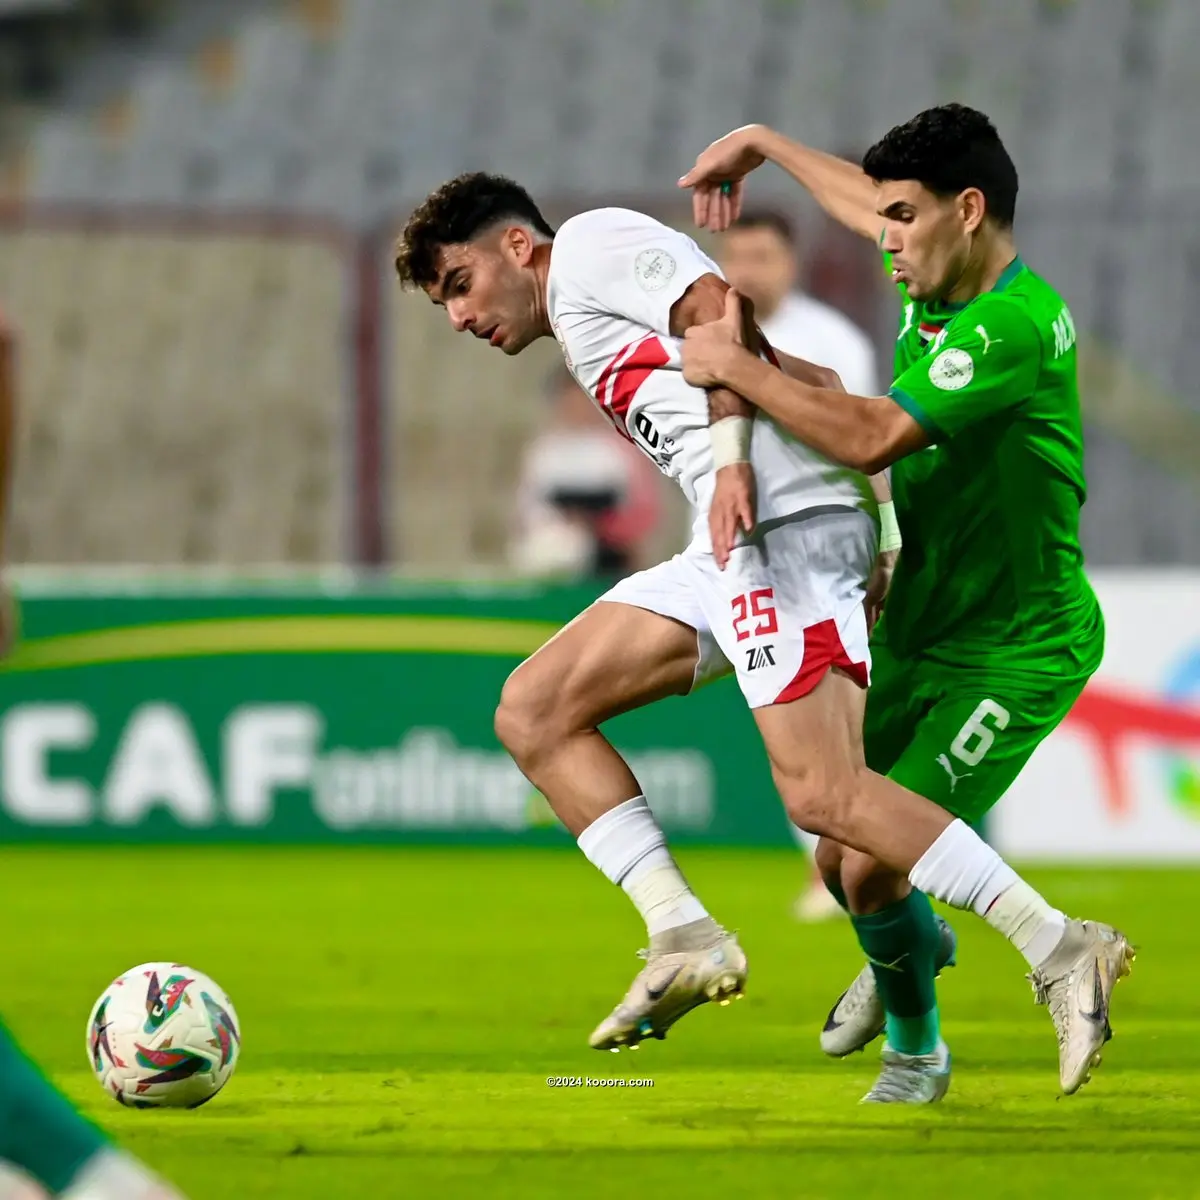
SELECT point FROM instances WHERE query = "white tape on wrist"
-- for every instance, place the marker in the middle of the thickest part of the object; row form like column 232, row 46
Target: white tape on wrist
column 889, row 528
column 731, row 441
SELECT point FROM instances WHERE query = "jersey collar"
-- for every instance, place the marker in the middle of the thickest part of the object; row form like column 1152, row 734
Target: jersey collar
column 1009, row 273
column 949, row 308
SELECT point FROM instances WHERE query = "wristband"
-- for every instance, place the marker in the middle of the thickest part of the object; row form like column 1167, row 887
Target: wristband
column 889, row 528
column 731, row 441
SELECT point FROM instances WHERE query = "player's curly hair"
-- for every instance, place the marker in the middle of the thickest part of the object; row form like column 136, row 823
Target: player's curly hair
column 458, row 212
column 949, row 149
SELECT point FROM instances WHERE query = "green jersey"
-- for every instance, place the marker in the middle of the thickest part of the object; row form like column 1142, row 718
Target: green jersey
column 991, row 574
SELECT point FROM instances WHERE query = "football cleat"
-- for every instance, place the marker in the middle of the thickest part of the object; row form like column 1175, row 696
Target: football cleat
column 1076, row 983
column 685, row 967
column 911, row 1078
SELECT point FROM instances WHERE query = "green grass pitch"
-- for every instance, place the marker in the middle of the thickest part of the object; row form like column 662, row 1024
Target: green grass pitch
column 402, row 1011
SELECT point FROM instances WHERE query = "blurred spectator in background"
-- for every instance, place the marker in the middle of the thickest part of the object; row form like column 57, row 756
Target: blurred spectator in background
column 760, row 258
column 587, row 500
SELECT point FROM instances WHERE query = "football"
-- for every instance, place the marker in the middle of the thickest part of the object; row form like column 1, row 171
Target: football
column 163, row 1035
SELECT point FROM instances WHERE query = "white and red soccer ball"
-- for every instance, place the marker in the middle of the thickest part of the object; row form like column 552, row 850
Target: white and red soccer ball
column 163, row 1035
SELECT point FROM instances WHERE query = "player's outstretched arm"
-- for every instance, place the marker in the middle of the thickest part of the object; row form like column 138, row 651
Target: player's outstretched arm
column 866, row 433
column 717, row 180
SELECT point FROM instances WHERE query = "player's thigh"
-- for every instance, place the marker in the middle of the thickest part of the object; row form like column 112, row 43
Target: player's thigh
column 974, row 741
column 642, row 641
column 788, row 608
column 788, row 613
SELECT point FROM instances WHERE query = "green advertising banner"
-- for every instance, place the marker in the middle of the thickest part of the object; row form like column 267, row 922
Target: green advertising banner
column 297, row 715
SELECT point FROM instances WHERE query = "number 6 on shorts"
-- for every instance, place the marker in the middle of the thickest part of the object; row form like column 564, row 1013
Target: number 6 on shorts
column 975, row 738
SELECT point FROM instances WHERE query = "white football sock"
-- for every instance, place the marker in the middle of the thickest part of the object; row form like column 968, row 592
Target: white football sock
column 962, row 870
column 628, row 846
column 1032, row 925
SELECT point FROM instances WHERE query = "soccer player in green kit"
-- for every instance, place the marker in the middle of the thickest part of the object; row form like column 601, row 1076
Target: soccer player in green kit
column 991, row 629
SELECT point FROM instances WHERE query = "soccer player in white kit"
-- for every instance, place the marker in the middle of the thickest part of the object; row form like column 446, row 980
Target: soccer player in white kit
column 772, row 586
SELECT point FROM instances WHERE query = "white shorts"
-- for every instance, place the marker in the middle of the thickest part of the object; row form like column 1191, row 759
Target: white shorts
column 787, row 607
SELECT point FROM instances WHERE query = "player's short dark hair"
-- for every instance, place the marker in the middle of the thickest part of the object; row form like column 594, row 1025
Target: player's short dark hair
column 947, row 150
column 458, row 212
column 767, row 218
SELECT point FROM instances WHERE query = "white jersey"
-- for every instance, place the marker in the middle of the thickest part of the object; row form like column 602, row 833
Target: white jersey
column 614, row 277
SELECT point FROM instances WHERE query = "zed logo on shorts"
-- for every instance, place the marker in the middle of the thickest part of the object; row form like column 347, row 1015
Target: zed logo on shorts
column 759, row 656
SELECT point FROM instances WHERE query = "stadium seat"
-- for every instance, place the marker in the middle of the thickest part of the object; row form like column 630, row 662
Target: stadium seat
column 350, row 109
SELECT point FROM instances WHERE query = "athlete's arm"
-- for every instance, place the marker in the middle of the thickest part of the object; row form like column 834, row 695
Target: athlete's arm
column 734, row 500
column 842, row 189
column 704, row 301
column 866, row 433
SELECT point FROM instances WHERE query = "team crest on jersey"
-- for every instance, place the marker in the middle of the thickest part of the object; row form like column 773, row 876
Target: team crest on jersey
column 951, row 370
column 653, row 270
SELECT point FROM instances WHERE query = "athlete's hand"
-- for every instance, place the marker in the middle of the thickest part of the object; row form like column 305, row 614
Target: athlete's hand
column 879, row 585
column 709, row 348
column 733, row 506
column 717, row 179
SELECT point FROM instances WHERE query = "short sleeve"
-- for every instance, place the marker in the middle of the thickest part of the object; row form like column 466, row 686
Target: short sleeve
column 990, row 360
column 622, row 262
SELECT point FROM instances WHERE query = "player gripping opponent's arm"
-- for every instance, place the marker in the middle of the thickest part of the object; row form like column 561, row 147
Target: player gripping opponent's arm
column 866, row 433
column 984, row 366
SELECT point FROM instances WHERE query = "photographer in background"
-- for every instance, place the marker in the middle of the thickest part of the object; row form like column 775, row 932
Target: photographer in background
column 586, row 501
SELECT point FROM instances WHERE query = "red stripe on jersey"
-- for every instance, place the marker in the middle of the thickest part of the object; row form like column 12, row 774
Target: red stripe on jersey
column 602, row 382
column 822, row 649
column 648, row 356
column 602, row 397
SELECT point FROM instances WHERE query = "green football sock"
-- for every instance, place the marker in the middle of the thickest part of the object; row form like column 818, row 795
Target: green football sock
column 39, row 1130
column 901, row 943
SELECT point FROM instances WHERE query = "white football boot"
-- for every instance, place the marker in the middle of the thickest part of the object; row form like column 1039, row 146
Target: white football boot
column 1076, row 984
column 911, row 1078
column 685, row 967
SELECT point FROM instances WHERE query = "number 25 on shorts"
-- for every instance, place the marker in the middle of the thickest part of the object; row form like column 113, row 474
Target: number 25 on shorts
column 759, row 605
column 975, row 738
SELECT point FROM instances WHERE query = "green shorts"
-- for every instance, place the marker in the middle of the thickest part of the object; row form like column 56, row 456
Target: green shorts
column 958, row 738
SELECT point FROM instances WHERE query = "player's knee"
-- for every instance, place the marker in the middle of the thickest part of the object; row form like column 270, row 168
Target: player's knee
column 534, row 713
column 519, row 718
column 869, row 886
column 821, row 797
